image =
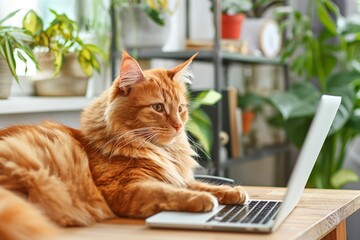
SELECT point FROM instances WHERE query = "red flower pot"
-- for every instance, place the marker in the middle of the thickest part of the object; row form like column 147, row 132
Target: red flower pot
column 247, row 119
column 231, row 25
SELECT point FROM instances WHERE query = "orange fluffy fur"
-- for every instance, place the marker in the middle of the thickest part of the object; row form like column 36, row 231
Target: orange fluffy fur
column 131, row 158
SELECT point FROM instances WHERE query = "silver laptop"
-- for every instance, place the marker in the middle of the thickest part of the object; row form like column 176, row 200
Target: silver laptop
column 261, row 215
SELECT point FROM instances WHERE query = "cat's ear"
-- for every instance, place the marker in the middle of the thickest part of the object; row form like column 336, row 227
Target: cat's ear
column 183, row 72
column 130, row 73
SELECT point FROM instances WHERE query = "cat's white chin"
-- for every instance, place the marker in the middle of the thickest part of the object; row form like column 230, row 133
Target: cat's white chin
column 165, row 142
column 172, row 141
column 169, row 139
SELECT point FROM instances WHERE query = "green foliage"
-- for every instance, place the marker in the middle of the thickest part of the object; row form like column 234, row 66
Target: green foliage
column 250, row 101
column 236, row 6
column 329, row 59
column 343, row 176
column 14, row 40
column 261, row 6
column 155, row 9
column 61, row 37
column 199, row 124
column 232, row 7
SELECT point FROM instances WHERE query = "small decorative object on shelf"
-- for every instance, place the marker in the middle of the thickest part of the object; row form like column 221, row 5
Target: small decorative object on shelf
column 228, row 45
column 262, row 37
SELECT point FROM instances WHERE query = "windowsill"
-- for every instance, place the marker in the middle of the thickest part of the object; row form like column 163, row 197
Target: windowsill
column 17, row 105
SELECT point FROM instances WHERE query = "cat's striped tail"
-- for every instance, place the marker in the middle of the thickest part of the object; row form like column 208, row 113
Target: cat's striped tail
column 19, row 220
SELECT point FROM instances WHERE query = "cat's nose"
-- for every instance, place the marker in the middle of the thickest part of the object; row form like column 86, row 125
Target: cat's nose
column 177, row 126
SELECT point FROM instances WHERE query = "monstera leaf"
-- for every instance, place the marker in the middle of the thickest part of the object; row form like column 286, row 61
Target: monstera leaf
column 300, row 101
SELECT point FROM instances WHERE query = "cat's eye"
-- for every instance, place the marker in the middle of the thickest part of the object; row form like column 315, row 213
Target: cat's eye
column 159, row 107
column 181, row 108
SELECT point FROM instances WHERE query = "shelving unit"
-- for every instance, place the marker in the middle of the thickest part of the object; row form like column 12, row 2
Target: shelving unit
column 221, row 61
column 227, row 57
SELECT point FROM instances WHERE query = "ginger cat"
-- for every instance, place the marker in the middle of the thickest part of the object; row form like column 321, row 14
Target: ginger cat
column 130, row 158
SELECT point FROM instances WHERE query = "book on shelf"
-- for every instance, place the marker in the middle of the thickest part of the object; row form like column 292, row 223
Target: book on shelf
column 232, row 121
column 236, row 46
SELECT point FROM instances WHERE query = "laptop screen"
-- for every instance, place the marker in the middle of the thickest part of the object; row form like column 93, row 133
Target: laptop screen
column 309, row 152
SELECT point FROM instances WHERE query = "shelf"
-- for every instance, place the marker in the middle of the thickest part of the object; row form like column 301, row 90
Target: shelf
column 256, row 154
column 205, row 55
column 17, row 105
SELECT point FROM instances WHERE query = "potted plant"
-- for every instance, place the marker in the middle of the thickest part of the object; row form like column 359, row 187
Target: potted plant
column 13, row 40
column 66, row 62
column 143, row 24
column 249, row 103
column 232, row 17
column 329, row 59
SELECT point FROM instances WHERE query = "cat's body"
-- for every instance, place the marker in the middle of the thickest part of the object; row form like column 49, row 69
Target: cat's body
column 130, row 158
column 46, row 165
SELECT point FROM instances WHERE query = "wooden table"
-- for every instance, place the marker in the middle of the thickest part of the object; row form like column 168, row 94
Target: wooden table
column 319, row 214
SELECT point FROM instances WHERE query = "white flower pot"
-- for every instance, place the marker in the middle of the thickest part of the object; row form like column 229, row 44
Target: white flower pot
column 71, row 80
column 138, row 30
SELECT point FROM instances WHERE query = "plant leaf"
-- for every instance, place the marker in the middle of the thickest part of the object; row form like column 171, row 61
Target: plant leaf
column 325, row 17
column 346, row 107
column 32, row 23
column 59, row 59
column 2, row 48
column 250, row 100
column 354, row 120
column 86, row 54
column 332, row 7
column 208, row 97
column 342, row 177
column 22, row 58
column 201, row 132
column 85, row 65
column 27, row 50
column 94, row 49
column 155, row 15
column 10, row 15
column 301, row 100
column 9, row 56
column 95, row 63
column 201, row 116
column 296, row 129
column 342, row 79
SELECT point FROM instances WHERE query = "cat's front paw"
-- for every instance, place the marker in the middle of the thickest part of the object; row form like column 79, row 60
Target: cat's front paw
column 234, row 195
column 201, row 202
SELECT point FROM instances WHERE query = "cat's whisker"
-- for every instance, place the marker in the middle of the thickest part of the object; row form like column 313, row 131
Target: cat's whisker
column 198, row 146
column 111, row 140
column 121, row 144
column 136, row 136
column 127, row 143
column 119, row 138
column 141, row 145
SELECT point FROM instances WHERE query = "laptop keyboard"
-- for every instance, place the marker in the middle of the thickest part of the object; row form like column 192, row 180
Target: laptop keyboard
column 255, row 212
